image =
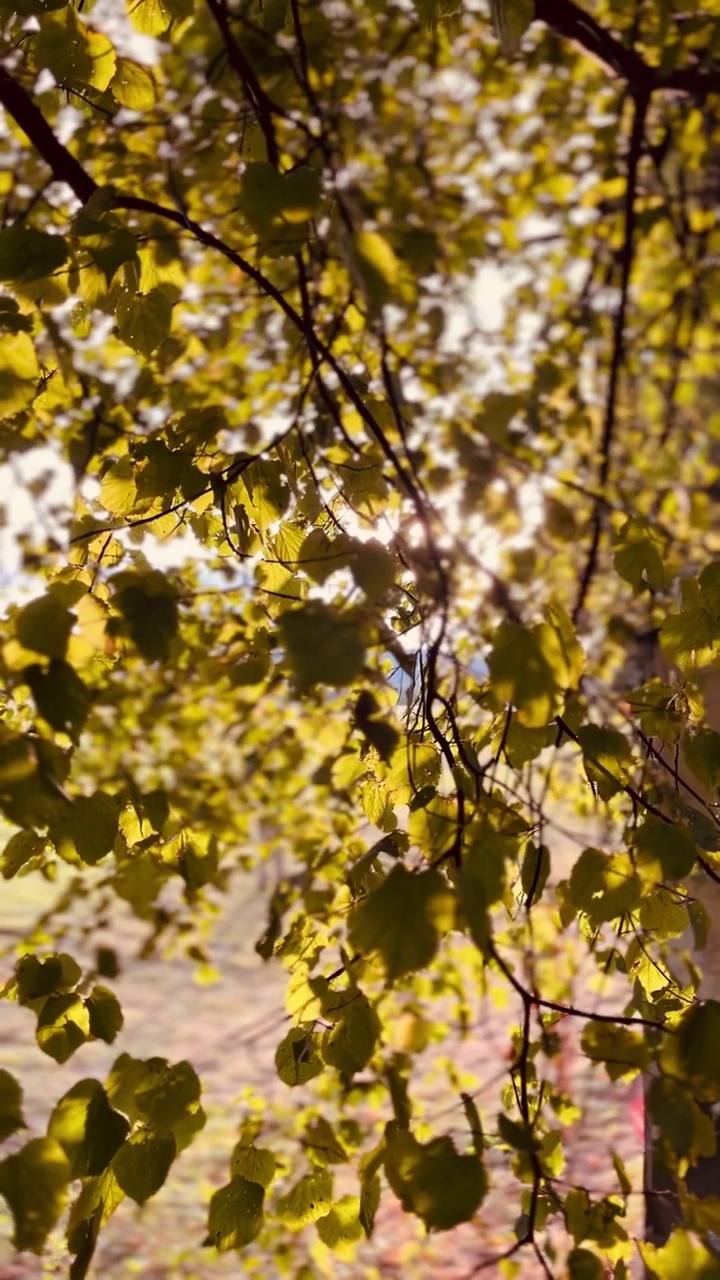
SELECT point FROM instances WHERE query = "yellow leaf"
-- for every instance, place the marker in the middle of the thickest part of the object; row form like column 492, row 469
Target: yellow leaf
column 19, row 373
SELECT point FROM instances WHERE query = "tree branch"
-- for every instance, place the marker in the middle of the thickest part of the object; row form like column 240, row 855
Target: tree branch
column 567, row 20
column 256, row 94
column 571, row 22
column 30, row 119
column 618, row 350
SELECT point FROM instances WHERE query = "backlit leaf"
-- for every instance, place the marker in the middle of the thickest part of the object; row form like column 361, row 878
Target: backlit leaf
column 143, row 321
column 298, row 1057
column 63, row 1025
column 322, row 646
column 27, row 254
column 106, row 1018
column 87, row 1128
column 403, row 920
column 432, row 1180
column 143, row 1162
column 11, row 1116
column 34, row 1184
column 255, row 1164
column 307, row 1200
column 44, row 626
column 133, row 85
column 236, row 1214
column 19, row 373
column 90, row 829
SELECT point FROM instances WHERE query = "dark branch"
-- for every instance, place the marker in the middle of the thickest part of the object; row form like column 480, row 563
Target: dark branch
column 256, row 94
column 618, row 351
column 570, row 22
column 30, row 119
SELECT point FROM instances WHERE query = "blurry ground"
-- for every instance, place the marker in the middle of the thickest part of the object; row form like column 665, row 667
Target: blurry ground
column 229, row 1031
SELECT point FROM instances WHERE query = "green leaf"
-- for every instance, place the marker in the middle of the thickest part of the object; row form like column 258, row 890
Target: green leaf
column 307, row 1200
column 254, row 1164
column 689, row 1051
column 379, row 734
column 106, row 1018
column 639, row 557
column 11, row 318
column 527, row 670
column 403, row 920
column 134, row 86
column 19, row 373
column 11, row 1116
column 27, row 254
column 197, row 864
column 350, row 1044
column 298, row 1057
column 370, row 1191
column 34, row 1184
column 686, row 1131
column 569, row 660
column 604, row 886
column 515, row 1134
column 153, row 17
column 19, row 850
column 74, row 53
column 31, row 773
column 90, row 830
column 535, row 871
column 44, row 626
column 373, row 568
column 143, row 1162
column 323, row 647
column 701, row 748
column 322, row 1141
column 109, row 244
column 63, row 1025
column 167, row 1095
column 523, row 744
column 236, row 1214
column 663, row 850
column 375, row 266
column 144, row 320
column 432, row 1180
column 269, row 199
column 623, row 1052
column 584, row 1265
column 37, row 978
column 148, row 604
column 61, row 697
column 606, row 757
column 682, row 1258
column 87, row 1128
column 482, row 881
column 341, row 1226
column 118, row 491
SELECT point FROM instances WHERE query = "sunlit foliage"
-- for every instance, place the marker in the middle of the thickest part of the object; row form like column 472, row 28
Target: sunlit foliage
column 403, row 317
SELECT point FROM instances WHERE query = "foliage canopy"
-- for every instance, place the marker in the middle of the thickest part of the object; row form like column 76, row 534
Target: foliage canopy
column 406, row 315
